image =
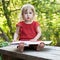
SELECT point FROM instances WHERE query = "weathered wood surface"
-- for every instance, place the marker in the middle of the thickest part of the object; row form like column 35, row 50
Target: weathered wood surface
column 48, row 53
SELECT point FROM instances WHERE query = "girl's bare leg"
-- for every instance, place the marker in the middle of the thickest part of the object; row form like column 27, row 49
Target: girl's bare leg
column 20, row 47
column 40, row 46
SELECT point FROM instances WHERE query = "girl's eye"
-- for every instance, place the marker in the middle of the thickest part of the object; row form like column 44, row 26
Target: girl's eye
column 25, row 13
column 30, row 13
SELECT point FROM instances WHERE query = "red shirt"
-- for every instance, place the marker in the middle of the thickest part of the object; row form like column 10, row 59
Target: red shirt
column 27, row 31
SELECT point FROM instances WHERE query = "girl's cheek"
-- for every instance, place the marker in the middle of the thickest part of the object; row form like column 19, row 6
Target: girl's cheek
column 31, row 16
column 24, row 16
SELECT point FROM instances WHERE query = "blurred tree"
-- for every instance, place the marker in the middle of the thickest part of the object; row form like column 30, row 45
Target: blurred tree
column 5, row 5
column 48, row 15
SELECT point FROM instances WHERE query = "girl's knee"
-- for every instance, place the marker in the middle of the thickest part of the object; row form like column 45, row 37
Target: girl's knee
column 42, row 44
column 21, row 44
column 20, row 47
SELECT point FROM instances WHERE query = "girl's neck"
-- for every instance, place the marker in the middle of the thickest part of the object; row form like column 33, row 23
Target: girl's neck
column 28, row 22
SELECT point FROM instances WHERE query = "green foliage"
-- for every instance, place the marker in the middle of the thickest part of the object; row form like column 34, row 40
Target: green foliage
column 0, row 57
column 48, row 14
column 3, row 44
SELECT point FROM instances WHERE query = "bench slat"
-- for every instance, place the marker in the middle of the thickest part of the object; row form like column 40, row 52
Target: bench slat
column 48, row 53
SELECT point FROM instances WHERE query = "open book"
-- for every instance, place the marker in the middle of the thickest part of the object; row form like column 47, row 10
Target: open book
column 27, row 43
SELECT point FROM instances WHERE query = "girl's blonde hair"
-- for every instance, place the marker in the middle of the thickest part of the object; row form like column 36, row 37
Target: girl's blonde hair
column 25, row 8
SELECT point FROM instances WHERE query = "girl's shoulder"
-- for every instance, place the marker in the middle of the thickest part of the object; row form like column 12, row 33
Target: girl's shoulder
column 19, row 23
column 35, row 22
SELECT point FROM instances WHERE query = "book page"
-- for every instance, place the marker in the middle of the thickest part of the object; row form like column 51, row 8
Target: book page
column 27, row 43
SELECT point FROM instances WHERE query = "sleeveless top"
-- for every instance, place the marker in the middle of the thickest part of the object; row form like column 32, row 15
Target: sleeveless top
column 27, row 31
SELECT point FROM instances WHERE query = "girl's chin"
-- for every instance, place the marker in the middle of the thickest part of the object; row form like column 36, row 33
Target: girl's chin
column 28, row 20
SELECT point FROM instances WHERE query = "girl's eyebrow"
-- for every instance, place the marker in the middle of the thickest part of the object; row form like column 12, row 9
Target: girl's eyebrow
column 27, row 9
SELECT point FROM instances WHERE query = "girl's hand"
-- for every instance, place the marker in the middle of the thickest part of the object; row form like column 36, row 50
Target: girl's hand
column 13, row 40
column 33, row 40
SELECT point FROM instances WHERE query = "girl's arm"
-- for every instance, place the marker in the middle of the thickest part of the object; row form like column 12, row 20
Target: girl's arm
column 16, row 34
column 38, row 34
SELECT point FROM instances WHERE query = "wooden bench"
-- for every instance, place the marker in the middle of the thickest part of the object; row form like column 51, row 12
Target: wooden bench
column 48, row 53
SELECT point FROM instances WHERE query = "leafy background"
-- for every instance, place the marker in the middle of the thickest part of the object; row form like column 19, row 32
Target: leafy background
column 47, row 14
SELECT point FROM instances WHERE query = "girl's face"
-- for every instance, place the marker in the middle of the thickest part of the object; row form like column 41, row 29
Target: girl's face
column 28, row 14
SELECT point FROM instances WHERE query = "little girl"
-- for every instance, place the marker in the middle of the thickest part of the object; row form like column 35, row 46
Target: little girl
column 28, row 29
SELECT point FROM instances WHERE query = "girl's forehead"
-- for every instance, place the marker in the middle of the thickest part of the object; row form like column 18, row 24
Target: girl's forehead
column 27, row 9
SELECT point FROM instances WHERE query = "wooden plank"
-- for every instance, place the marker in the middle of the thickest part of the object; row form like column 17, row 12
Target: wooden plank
column 7, row 57
column 48, row 53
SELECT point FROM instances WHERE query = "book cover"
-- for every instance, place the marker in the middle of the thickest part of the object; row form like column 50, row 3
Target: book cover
column 27, row 43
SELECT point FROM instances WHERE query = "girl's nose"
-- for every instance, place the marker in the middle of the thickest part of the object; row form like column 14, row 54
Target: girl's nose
column 28, row 14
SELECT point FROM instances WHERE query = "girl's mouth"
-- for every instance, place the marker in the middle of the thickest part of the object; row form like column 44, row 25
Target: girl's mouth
column 28, row 18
